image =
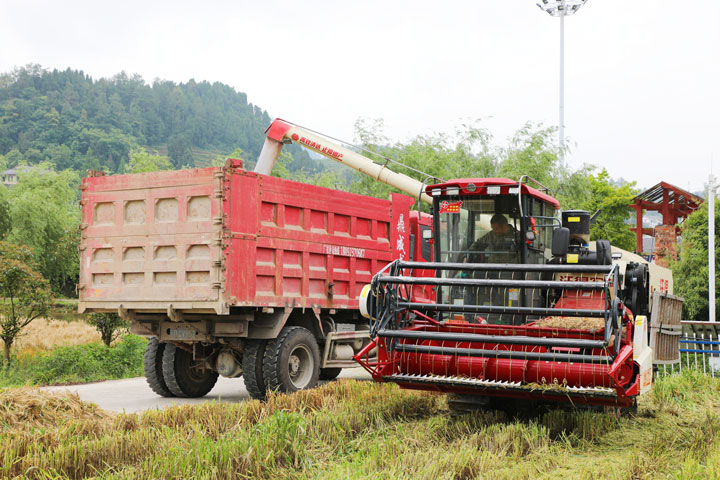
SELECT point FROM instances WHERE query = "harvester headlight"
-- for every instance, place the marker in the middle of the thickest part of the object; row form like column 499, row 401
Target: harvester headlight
column 453, row 191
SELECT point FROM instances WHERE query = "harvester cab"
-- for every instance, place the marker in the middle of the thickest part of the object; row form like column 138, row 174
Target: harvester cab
column 524, row 306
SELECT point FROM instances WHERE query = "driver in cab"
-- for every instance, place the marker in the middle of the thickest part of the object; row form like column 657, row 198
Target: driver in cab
column 497, row 246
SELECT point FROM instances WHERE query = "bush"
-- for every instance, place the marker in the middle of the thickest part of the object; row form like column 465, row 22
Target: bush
column 109, row 325
column 79, row 364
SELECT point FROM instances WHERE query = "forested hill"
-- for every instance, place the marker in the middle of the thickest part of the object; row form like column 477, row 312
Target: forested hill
column 80, row 123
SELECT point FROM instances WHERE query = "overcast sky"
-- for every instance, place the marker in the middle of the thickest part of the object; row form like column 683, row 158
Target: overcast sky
column 642, row 77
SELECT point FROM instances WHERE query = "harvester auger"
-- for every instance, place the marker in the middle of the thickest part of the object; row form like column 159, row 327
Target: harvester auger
column 550, row 326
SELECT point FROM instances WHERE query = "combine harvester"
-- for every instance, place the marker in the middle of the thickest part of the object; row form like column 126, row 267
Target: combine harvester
column 523, row 306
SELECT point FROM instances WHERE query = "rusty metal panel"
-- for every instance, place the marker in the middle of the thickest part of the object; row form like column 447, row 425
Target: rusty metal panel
column 665, row 328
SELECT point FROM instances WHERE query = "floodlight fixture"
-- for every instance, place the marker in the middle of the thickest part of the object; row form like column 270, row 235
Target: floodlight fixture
column 561, row 8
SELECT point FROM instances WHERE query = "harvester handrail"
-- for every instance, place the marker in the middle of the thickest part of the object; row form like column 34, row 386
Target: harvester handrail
column 515, row 267
column 473, row 282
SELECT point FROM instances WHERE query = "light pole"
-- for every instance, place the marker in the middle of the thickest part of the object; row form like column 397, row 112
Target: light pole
column 711, row 246
column 561, row 8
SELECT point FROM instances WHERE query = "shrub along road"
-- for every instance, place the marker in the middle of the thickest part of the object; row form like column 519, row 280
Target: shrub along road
column 134, row 395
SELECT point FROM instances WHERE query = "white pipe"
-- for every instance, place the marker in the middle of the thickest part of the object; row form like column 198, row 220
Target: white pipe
column 268, row 156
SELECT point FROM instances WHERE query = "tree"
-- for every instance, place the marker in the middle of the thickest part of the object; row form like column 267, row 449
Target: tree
column 26, row 295
column 44, row 216
column 142, row 162
column 612, row 200
column 109, row 325
column 468, row 153
column 5, row 220
column 690, row 271
column 180, row 151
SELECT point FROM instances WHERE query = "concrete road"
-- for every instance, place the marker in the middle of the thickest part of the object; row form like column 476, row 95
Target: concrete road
column 134, row 395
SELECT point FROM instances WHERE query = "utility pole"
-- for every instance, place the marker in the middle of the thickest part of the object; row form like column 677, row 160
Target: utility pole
column 561, row 8
column 711, row 246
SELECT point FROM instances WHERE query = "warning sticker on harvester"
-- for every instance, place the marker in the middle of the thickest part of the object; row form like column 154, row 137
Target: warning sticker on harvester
column 448, row 207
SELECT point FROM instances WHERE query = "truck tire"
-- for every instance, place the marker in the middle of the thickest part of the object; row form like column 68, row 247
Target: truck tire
column 292, row 361
column 152, row 362
column 183, row 379
column 252, row 365
column 329, row 373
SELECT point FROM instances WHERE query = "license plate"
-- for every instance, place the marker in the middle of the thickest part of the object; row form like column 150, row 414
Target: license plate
column 182, row 333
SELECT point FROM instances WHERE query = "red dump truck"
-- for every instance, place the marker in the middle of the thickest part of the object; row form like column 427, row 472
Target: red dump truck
column 234, row 273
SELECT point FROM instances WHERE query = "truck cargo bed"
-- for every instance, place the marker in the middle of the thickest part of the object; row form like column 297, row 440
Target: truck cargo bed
column 207, row 240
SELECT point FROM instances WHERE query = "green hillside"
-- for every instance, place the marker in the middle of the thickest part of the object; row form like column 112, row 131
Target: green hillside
column 79, row 123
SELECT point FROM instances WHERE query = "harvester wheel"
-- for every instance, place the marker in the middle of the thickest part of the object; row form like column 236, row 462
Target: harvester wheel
column 329, row 373
column 252, row 365
column 292, row 361
column 152, row 362
column 184, row 376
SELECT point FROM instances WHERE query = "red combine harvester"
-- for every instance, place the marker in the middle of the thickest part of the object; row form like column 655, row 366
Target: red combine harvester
column 517, row 303
column 524, row 308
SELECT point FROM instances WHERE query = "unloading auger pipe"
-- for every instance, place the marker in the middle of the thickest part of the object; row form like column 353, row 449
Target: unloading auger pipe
column 281, row 132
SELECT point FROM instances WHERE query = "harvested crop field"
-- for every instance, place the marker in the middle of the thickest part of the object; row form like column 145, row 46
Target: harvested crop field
column 351, row 429
column 45, row 334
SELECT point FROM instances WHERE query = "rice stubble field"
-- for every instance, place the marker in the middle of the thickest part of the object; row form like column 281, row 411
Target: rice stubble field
column 354, row 429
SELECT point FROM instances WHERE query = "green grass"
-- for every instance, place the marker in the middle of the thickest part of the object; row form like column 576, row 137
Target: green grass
column 77, row 364
column 351, row 429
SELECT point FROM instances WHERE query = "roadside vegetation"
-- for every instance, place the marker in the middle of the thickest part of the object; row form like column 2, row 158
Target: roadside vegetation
column 67, row 348
column 90, row 362
column 351, row 429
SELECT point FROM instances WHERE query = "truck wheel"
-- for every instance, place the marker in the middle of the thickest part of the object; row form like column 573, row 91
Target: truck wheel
column 292, row 361
column 184, row 378
column 252, row 365
column 329, row 373
column 152, row 362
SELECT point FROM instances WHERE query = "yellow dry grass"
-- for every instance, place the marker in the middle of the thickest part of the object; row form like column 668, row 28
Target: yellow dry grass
column 45, row 334
column 28, row 408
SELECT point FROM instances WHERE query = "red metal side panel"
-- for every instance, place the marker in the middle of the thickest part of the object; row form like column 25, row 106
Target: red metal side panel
column 151, row 240
column 293, row 244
